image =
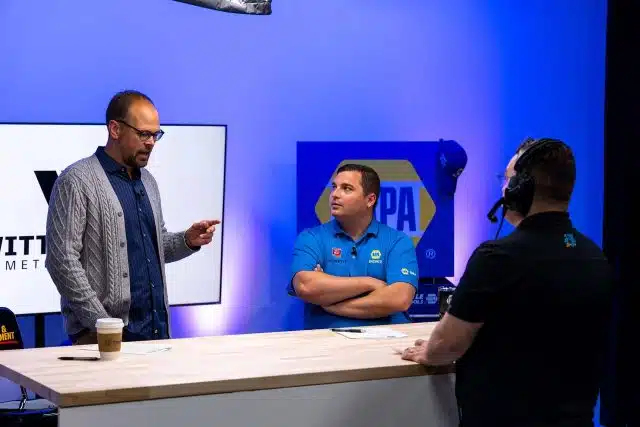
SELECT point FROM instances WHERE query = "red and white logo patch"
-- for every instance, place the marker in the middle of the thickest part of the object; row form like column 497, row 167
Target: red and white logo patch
column 336, row 252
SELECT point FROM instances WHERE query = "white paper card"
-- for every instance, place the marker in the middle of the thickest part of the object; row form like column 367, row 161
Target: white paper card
column 371, row 333
column 134, row 348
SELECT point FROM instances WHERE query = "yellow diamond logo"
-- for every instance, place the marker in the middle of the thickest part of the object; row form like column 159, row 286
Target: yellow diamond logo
column 404, row 203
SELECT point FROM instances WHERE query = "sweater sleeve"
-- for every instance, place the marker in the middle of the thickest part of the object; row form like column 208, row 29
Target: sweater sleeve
column 66, row 222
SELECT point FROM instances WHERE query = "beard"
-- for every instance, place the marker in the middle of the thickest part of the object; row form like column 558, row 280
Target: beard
column 133, row 162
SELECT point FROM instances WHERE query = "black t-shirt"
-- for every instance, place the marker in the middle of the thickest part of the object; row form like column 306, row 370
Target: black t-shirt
column 543, row 294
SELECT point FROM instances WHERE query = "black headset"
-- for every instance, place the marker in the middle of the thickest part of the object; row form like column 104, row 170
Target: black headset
column 518, row 194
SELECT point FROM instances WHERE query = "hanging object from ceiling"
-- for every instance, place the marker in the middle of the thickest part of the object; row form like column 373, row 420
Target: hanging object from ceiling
column 248, row 7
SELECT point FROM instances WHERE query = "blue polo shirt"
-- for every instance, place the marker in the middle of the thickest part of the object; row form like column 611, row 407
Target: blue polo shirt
column 382, row 252
column 147, row 314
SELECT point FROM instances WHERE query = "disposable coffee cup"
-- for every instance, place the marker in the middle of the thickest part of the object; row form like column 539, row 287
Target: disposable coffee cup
column 109, row 337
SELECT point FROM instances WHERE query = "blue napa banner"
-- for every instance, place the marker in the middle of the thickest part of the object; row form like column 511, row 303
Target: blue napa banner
column 418, row 181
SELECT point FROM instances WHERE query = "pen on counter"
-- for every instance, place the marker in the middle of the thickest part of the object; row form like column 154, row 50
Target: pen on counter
column 347, row 330
column 88, row 359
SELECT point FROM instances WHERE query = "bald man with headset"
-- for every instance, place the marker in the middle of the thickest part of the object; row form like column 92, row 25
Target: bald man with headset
column 528, row 320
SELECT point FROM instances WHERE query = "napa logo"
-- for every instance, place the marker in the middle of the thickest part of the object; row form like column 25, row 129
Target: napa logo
column 375, row 257
column 404, row 203
column 407, row 272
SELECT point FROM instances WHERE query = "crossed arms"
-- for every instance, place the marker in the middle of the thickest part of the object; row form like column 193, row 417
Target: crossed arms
column 357, row 297
column 344, row 295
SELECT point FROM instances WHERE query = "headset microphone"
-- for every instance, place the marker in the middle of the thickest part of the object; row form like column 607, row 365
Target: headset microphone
column 519, row 191
column 492, row 213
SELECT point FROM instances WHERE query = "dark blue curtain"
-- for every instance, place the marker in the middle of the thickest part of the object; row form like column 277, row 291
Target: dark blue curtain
column 620, row 396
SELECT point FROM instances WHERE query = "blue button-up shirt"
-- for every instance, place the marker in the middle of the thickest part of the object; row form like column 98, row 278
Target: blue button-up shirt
column 382, row 252
column 147, row 314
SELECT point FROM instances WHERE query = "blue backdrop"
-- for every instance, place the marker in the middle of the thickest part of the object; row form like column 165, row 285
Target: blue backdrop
column 410, row 200
column 484, row 73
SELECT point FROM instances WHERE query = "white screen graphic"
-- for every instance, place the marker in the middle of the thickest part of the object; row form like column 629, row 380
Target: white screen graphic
column 188, row 163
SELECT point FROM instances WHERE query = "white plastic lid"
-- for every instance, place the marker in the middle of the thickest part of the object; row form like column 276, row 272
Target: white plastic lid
column 109, row 323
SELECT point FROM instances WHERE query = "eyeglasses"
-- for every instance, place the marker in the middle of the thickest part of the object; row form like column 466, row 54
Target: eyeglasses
column 144, row 135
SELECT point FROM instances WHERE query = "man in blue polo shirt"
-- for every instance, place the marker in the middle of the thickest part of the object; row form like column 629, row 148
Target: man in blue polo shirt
column 353, row 270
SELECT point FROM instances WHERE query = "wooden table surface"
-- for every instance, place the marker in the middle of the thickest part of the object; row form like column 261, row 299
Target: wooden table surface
column 210, row 365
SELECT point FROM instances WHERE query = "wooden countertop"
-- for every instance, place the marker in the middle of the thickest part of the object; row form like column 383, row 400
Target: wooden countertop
column 210, row 365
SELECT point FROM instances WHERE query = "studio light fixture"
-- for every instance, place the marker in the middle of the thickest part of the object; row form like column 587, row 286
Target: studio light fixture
column 248, row 7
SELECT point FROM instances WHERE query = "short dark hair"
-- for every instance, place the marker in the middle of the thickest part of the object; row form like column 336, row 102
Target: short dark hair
column 369, row 178
column 553, row 169
column 120, row 103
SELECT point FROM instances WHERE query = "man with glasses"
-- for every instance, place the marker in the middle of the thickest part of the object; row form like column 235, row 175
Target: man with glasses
column 106, row 238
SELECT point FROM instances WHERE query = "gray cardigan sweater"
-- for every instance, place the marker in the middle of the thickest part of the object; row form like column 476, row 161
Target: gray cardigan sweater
column 87, row 245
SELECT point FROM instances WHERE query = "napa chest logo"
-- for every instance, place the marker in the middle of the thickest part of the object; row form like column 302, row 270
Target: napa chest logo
column 375, row 257
column 6, row 336
column 404, row 203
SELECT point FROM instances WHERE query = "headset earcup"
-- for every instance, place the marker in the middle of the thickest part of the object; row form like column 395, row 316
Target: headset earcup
column 518, row 194
column 525, row 200
column 511, row 193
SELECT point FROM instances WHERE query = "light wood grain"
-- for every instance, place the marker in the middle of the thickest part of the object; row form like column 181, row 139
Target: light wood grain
column 210, row 365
